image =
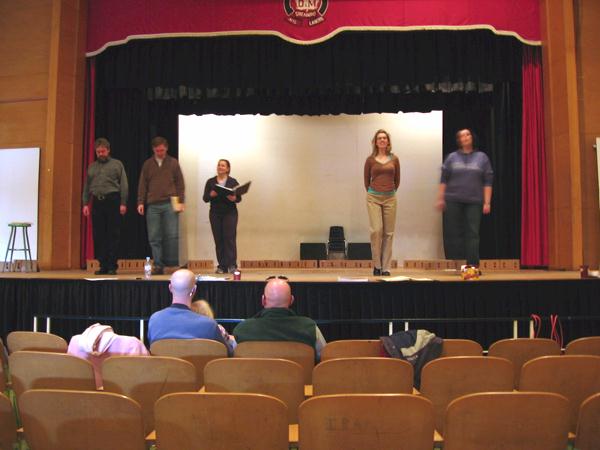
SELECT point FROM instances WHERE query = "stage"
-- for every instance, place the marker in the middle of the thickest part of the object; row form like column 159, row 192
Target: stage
column 496, row 306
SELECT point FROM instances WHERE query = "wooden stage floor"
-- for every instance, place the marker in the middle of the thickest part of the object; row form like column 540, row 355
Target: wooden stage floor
column 319, row 275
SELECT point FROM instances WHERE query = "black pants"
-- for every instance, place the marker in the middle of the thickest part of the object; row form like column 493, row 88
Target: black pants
column 224, row 229
column 106, row 228
column 461, row 231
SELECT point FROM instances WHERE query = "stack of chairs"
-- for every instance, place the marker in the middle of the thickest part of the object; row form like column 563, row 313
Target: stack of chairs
column 336, row 245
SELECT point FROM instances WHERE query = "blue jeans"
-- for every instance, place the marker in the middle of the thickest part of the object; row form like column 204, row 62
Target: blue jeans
column 163, row 233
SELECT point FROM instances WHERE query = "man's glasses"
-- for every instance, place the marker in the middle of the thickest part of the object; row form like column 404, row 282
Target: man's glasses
column 277, row 277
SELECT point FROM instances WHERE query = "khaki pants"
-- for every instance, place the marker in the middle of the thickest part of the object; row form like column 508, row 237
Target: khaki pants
column 382, row 219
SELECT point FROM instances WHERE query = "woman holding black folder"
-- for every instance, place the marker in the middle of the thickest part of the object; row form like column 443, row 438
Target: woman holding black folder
column 223, row 216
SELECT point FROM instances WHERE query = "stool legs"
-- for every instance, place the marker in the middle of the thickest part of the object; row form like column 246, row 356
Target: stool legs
column 9, row 248
column 27, row 249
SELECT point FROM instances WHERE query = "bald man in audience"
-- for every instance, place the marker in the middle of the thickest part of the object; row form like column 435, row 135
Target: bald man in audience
column 277, row 322
column 178, row 321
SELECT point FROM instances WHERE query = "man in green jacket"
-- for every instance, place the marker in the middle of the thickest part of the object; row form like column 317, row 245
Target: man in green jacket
column 277, row 322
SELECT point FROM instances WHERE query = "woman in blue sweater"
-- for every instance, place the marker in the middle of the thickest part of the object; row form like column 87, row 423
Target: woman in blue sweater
column 465, row 194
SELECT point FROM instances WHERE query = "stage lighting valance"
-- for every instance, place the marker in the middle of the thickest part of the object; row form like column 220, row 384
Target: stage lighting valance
column 114, row 22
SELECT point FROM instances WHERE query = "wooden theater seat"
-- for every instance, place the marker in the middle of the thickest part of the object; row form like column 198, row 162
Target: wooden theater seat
column 577, row 377
column 278, row 378
column 147, row 378
column 363, row 376
column 55, row 419
column 45, row 370
column 507, row 420
column 366, row 422
column 293, row 351
column 445, row 379
column 221, row 421
column 30, row 340
column 351, row 348
column 196, row 351
column 521, row 350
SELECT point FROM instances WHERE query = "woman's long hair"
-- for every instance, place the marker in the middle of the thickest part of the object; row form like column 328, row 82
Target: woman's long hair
column 374, row 142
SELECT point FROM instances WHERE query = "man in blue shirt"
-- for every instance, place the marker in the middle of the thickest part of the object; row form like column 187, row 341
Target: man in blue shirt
column 178, row 321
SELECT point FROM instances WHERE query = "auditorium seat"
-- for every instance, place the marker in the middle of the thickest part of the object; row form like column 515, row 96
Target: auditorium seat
column 521, row 350
column 588, row 424
column 147, row 378
column 30, row 340
column 54, row 419
column 196, row 351
column 507, row 420
column 363, row 376
column 293, row 351
column 3, row 379
column 461, row 347
column 575, row 376
column 445, row 379
column 584, row 346
column 47, row 370
column 366, row 422
column 351, row 348
column 3, row 355
column 8, row 424
column 223, row 421
column 278, row 378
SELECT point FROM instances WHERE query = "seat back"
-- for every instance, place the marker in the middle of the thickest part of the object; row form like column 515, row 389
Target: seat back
column 196, row 351
column 351, row 348
column 278, row 378
column 8, row 424
column 147, row 378
column 31, row 340
column 445, row 379
column 3, row 354
column 45, row 370
column 3, row 378
column 221, row 421
column 588, row 424
column 575, row 376
column 521, row 350
column 366, row 422
column 54, row 419
column 363, row 376
column 461, row 347
column 294, row 351
column 584, row 346
column 507, row 420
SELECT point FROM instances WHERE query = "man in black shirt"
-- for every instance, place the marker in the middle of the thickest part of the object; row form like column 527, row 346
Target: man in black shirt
column 106, row 186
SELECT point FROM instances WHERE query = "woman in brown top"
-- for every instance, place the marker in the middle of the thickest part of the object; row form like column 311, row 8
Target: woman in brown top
column 382, row 179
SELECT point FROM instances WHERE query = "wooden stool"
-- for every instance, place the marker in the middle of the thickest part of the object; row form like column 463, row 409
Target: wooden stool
column 10, row 248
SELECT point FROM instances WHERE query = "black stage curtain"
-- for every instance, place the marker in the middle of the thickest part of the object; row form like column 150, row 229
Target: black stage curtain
column 21, row 299
column 473, row 76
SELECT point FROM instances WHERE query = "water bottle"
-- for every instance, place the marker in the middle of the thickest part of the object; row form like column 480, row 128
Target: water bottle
column 147, row 268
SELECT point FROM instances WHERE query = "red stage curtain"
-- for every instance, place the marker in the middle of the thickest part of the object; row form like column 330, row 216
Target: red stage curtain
column 114, row 22
column 534, row 212
column 87, row 240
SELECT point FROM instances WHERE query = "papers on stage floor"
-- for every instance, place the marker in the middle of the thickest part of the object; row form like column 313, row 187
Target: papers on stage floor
column 353, row 279
column 101, row 279
column 211, row 278
column 403, row 278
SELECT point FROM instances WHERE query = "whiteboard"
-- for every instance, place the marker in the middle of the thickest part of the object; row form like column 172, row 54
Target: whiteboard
column 19, row 181
column 307, row 175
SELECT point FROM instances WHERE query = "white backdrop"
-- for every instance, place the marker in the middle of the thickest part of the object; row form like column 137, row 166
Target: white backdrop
column 19, row 176
column 307, row 174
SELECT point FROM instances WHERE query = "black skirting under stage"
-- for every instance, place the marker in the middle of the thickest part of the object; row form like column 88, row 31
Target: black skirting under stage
column 483, row 311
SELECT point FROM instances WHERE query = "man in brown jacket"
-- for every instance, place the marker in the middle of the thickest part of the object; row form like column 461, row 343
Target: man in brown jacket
column 161, row 180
